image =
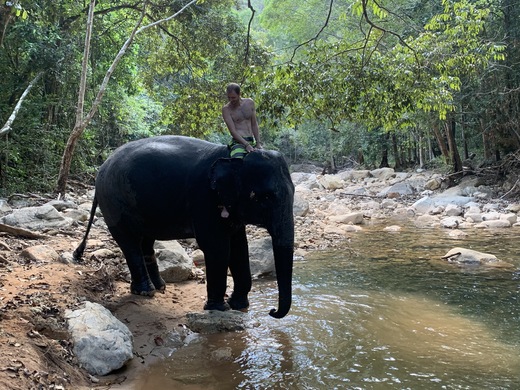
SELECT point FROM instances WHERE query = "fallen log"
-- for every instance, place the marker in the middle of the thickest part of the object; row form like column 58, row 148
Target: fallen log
column 19, row 232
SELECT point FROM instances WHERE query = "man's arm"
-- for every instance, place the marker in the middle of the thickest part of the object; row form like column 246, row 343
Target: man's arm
column 254, row 126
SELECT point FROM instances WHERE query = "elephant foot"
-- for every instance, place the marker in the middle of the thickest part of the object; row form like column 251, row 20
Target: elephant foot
column 160, row 285
column 241, row 304
column 144, row 289
column 220, row 306
column 153, row 272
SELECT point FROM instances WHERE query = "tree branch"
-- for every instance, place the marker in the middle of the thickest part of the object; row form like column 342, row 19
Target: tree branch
column 384, row 31
column 250, row 6
column 82, row 122
column 7, row 127
column 317, row 35
column 123, row 50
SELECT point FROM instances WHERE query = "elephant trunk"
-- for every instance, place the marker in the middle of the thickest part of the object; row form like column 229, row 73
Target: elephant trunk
column 282, row 234
column 283, row 257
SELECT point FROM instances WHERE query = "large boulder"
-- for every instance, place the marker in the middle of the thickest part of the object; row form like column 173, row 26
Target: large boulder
column 300, row 206
column 102, row 343
column 426, row 203
column 383, row 173
column 354, row 218
column 397, row 190
column 261, row 257
column 174, row 263
column 465, row 256
column 331, row 182
column 37, row 218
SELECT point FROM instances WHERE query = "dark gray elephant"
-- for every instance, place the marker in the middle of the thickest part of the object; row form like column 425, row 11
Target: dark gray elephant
column 173, row 187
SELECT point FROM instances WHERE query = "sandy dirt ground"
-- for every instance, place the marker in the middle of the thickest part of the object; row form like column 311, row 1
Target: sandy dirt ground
column 35, row 348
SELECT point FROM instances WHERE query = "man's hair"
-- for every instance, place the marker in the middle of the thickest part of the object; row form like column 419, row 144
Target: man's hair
column 233, row 87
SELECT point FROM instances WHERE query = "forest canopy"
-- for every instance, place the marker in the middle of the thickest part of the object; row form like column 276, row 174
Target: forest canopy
column 406, row 83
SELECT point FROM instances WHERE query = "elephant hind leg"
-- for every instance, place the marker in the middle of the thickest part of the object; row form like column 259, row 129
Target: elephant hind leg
column 141, row 283
column 151, row 264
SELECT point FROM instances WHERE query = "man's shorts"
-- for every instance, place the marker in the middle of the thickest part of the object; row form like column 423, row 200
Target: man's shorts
column 237, row 150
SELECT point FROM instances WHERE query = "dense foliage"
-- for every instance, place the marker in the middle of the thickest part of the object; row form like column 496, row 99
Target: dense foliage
column 343, row 82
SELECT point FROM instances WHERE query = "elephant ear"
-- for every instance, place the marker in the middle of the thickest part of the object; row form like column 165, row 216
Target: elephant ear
column 223, row 178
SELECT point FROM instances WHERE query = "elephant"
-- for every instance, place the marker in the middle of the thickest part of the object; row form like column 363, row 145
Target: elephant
column 174, row 187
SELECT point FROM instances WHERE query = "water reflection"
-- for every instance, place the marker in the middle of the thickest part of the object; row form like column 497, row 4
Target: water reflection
column 385, row 312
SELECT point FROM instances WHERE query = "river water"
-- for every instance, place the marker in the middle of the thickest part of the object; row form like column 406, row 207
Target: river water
column 384, row 312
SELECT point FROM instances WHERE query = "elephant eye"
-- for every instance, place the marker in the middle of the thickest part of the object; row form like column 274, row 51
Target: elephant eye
column 264, row 197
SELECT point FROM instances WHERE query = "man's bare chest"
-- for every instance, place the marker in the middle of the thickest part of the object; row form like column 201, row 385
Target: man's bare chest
column 241, row 113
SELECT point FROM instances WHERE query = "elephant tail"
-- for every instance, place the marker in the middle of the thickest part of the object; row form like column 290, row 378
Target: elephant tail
column 78, row 253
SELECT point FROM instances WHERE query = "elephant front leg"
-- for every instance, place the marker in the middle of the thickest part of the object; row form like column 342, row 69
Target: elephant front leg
column 216, row 278
column 240, row 271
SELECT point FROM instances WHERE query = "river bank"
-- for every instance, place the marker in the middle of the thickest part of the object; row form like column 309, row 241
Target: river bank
column 329, row 211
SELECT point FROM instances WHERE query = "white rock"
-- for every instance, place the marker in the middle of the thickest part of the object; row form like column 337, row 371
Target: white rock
column 450, row 222
column 426, row 220
column 383, row 173
column 261, row 257
column 453, row 210
column 354, row 218
column 469, row 256
column 300, row 206
column 496, row 223
column 514, row 207
column 490, row 216
column 392, row 229
column 351, row 228
column 456, row 233
column 509, row 217
column 331, row 182
column 174, row 263
column 102, row 343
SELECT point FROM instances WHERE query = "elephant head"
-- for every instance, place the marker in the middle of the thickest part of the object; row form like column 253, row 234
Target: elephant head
column 258, row 190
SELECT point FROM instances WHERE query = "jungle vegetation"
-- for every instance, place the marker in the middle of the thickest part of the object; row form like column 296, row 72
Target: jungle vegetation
column 365, row 83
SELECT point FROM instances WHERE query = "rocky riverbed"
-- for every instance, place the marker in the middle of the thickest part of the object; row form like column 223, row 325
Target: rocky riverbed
column 39, row 284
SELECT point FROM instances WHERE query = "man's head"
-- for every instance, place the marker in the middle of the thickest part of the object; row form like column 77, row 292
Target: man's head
column 233, row 93
column 233, row 87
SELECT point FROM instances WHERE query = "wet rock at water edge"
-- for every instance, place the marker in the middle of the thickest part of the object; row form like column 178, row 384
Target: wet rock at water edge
column 463, row 256
column 213, row 321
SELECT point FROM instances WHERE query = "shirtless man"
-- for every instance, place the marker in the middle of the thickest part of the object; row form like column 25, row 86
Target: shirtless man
column 240, row 117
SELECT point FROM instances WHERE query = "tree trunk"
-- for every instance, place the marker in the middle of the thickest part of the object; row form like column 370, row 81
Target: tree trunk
column 83, row 121
column 440, row 141
column 384, row 153
column 464, row 140
column 395, row 149
column 66, row 159
column 486, row 141
column 454, row 151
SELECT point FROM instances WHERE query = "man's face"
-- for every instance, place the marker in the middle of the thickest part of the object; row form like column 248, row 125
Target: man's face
column 234, row 98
